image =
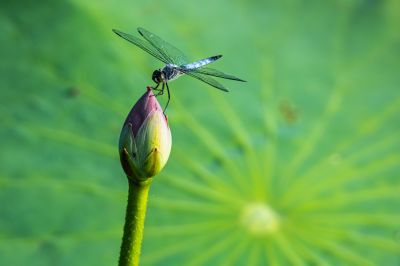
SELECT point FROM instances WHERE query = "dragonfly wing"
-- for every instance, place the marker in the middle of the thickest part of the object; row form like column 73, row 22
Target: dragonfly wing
column 169, row 52
column 143, row 45
column 207, row 80
column 216, row 73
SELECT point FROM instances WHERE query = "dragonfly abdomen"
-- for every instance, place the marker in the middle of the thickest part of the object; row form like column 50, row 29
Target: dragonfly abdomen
column 201, row 63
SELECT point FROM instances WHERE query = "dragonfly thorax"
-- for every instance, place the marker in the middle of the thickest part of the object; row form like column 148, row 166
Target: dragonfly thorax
column 167, row 73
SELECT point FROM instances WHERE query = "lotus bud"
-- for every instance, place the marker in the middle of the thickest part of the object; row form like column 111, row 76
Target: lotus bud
column 145, row 140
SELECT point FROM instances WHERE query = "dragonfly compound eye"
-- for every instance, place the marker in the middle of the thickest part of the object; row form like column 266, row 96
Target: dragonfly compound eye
column 156, row 76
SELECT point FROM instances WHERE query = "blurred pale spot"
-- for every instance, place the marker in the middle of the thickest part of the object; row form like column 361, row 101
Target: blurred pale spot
column 259, row 219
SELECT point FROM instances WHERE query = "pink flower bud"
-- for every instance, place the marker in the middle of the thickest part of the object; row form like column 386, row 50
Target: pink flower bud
column 145, row 140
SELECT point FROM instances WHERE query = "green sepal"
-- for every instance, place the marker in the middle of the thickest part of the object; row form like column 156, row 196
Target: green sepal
column 127, row 140
column 134, row 173
column 151, row 163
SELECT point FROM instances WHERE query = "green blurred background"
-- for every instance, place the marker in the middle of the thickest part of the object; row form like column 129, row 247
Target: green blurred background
column 299, row 166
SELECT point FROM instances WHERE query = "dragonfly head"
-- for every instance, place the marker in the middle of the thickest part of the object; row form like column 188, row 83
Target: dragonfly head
column 157, row 76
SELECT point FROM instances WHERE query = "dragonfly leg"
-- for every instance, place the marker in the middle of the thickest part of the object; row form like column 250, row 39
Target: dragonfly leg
column 155, row 88
column 160, row 91
column 169, row 97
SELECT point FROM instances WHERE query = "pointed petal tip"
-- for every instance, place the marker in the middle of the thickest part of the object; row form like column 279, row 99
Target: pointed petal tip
column 152, row 100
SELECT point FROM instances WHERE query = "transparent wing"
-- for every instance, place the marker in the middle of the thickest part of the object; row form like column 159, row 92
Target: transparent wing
column 143, row 45
column 216, row 73
column 207, row 80
column 172, row 54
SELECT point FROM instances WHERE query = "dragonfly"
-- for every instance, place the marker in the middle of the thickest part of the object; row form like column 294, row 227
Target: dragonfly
column 176, row 63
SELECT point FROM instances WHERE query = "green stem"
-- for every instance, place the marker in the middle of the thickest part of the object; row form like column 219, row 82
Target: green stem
column 134, row 223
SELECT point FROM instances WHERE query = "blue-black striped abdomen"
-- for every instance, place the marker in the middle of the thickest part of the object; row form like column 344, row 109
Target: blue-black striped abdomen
column 201, row 63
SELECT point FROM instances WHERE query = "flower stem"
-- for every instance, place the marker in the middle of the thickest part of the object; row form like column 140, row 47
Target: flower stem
column 134, row 223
